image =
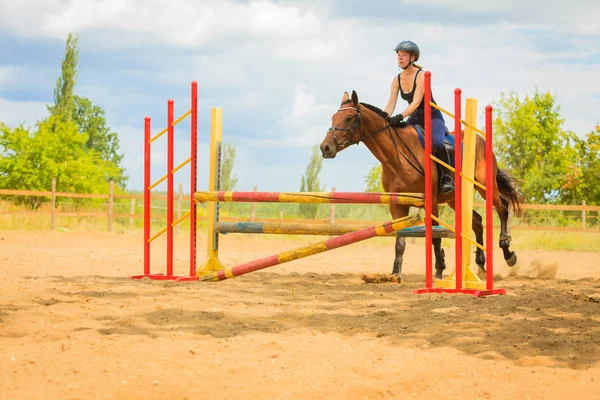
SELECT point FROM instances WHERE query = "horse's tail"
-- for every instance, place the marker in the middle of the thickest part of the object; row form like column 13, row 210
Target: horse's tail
column 508, row 189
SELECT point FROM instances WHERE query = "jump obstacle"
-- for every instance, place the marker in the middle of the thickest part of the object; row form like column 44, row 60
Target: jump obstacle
column 170, row 130
column 463, row 280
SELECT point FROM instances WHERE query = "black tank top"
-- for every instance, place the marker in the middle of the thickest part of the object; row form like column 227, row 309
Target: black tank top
column 418, row 116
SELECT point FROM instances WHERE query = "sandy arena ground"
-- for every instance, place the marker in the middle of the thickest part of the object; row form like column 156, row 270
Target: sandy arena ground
column 73, row 326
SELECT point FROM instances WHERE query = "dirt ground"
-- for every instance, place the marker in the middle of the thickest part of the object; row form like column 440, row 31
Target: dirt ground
column 73, row 326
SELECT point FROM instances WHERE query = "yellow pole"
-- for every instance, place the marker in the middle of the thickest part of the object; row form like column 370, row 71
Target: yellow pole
column 468, row 169
column 469, row 279
column 212, row 247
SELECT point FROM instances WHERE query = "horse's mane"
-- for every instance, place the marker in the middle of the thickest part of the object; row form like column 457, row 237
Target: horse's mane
column 383, row 114
column 379, row 112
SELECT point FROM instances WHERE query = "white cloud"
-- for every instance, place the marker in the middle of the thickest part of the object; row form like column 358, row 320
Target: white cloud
column 279, row 69
column 14, row 113
column 180, row 22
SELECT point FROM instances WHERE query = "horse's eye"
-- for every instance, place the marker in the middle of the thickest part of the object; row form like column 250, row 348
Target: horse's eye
column 348, row 119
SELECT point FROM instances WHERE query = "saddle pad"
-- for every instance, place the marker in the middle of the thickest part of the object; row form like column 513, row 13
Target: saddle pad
column 448, row 141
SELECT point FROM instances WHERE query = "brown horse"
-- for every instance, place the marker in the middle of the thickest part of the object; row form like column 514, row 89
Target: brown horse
column 401, row 155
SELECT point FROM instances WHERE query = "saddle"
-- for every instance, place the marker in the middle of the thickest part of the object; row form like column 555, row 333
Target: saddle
column 448, row 138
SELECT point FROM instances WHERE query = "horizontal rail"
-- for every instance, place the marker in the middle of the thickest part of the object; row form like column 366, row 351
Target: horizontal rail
column 594, row 230
column 312, row 197
column 321, row 229
column 41, row 193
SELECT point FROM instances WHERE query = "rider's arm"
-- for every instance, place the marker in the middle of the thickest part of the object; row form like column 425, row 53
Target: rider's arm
column 391, row 105
column 418, row 96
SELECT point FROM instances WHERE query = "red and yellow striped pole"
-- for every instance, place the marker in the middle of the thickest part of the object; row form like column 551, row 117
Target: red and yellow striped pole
column 316, row 248
column 311, row 197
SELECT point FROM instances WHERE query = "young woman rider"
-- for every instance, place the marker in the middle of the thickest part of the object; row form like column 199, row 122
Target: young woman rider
column 410, row 84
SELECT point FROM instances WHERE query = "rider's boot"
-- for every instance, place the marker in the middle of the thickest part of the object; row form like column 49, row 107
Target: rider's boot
column 446, row 181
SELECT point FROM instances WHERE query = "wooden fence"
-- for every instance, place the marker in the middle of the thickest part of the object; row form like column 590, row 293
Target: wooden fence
column 132, row 215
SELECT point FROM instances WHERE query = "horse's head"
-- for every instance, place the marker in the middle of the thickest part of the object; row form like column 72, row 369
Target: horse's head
column 345, row 124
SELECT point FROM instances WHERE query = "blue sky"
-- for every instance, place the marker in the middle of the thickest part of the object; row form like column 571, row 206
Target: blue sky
column 278, row 69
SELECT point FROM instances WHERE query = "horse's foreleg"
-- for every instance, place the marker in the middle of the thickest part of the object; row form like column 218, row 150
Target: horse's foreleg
column 503, row 213
column 400, row 247
column 398, row 212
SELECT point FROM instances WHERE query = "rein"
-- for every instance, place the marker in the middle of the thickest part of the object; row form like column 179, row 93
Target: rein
column 349, row 141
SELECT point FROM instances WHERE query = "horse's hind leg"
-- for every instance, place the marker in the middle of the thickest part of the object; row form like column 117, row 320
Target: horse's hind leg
column 440, row 255
column 509, row 256
column 478, row 229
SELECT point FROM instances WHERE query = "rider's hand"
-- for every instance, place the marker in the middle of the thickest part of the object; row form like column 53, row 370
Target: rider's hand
column 396, row 119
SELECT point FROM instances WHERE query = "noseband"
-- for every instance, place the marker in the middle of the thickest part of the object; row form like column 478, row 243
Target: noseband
column 349, row 141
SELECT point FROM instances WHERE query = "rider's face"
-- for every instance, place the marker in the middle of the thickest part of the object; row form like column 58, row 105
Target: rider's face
column 403, row 58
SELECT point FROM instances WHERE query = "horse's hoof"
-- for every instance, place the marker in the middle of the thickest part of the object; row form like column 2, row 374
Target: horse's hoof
column 512, row 260
column 481, row 272
column 438, row 275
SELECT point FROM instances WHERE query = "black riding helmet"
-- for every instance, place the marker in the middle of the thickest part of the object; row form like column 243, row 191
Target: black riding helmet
column 411, row 47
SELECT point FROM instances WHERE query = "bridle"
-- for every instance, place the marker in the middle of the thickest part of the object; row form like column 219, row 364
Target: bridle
column 349, row 141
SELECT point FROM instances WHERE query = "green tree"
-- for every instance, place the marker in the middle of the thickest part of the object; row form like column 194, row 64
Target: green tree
column 530, row 141
column 228, row 175
column 90, row 118
column 63, row 93
column 373, row 180
column 91, row 121
column 583, row 177
column 310, row 183
column 29, row 160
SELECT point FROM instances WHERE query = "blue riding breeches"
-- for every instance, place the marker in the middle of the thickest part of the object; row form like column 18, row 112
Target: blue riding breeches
column 438, row 128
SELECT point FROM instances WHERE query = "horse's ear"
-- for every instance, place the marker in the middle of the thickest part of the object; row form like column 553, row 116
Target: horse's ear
column 354, row 98
column 345, row 97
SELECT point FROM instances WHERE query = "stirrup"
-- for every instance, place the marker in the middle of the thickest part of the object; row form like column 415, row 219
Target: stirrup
column 448, row 185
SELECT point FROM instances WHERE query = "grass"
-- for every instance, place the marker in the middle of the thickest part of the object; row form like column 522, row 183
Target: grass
column 522, row 239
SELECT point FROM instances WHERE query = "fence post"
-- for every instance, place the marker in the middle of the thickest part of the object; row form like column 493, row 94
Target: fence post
column 110, row 205
column 53, row 203
column 253, row 209
column 132, row 213
column 179, row 200
column 332, row 209
column 583, row 215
